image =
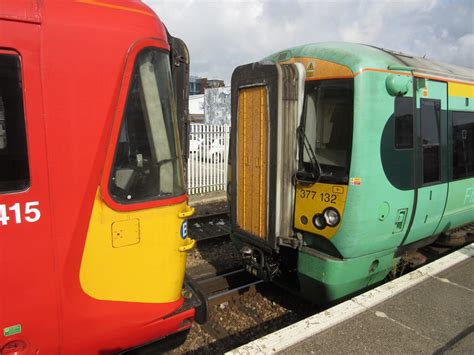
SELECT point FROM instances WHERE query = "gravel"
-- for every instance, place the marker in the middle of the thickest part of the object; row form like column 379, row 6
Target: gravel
column 252, row 315
column 234, row 323
column 219, row 253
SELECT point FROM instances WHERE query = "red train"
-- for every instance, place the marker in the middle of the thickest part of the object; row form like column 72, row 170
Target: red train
column 93, row 207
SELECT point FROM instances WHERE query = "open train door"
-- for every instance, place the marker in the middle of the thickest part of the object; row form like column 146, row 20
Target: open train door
column 267, row 100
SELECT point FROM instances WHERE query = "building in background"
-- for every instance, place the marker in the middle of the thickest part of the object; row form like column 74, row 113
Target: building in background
column 212, row 107
column 198, row 85
column 217, row 106
column 196, row 108
column 194, row 85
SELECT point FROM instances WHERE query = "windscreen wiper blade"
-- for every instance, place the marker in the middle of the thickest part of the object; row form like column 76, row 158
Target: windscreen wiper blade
column 315, row 167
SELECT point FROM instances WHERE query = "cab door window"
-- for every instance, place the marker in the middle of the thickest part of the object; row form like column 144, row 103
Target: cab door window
column 14, row 169
column 147, row 162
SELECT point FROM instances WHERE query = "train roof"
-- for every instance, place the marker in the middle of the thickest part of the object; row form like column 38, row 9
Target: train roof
column 360, row 56
column 99, row 14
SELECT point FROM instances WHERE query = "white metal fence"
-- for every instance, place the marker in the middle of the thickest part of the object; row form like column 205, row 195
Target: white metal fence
column 208, row 154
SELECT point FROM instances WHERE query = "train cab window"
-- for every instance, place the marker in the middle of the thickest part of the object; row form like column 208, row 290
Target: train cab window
column 147, row 163
column 463, row 145
column 403, row 122
column 430, row 135
column 14, row 170
column 327, row 122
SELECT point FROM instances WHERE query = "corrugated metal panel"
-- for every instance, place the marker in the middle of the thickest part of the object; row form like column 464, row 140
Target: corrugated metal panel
column 252, row 169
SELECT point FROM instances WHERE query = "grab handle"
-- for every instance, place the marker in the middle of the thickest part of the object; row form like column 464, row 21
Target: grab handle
column 188, row 246
column 187, row 213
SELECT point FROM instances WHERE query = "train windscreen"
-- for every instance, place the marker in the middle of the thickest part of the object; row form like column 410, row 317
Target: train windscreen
column 147, row 162
column 327, row 126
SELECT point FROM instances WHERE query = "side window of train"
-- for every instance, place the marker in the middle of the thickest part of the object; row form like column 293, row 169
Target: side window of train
column 463, row 145
column 430, row 136
column 403, row 123
column 14, row 170
column 147, row 163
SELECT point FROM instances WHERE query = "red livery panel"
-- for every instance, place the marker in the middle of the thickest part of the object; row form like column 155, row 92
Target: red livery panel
column 74, row 90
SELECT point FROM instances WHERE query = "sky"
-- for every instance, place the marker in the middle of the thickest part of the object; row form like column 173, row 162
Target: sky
column 221, row 35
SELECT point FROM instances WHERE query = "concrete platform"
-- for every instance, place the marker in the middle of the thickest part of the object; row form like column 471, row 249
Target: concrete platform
column 428, row 311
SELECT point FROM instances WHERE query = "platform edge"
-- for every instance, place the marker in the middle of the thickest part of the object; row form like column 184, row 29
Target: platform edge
column 297, row 332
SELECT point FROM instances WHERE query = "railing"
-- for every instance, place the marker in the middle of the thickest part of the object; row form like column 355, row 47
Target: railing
column 208, row 154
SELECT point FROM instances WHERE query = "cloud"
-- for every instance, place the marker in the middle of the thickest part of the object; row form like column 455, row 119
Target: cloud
column 224, row 34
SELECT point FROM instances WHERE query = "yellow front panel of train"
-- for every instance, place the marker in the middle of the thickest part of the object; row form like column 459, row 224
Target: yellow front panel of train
column 252, row 161
column 314, row 199
column 134, row 256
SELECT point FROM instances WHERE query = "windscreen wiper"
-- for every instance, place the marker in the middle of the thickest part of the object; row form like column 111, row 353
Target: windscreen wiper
column 316, row 171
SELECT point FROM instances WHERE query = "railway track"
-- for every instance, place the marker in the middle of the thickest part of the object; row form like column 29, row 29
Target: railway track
column 221, row 287
column 237, row 309
column 241, row 309
column 209, row 226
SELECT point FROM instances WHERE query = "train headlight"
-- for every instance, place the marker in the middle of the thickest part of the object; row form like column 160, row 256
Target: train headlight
column 319, row 221
column 331, row 216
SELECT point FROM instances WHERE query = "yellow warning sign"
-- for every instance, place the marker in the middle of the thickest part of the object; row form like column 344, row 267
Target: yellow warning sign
column 355, row 181
column 310, row 67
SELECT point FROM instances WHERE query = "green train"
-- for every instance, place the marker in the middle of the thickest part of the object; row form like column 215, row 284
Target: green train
column 346, row 159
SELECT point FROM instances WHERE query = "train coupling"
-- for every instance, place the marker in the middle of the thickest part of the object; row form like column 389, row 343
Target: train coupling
column 258, row 263
column 195, row 298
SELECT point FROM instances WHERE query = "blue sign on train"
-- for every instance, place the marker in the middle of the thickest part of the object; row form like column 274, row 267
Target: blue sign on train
column 184, row 230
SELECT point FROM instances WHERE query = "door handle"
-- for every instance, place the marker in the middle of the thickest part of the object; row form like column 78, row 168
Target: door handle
column 187, row 213
column 188, row 246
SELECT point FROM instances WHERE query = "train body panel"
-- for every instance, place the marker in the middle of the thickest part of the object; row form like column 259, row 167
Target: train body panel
column 460, row 203
column 367, row 210
column 431, row 158
column 384, row 133
column 136, row 247
column 28, row 262
column 322, row 278
column 79, row 62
